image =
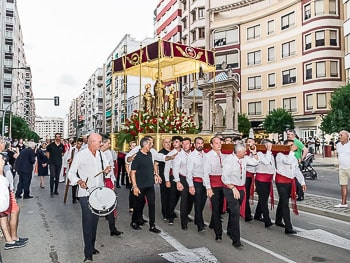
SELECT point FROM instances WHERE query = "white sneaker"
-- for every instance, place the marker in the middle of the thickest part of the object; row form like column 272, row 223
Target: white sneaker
column 341, row 206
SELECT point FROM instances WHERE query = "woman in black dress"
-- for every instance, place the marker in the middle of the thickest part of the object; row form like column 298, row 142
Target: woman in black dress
column 42, row 163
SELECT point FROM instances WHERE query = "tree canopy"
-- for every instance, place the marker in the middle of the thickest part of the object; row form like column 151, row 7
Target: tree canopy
column 338, row 117
column 20, row 129
column 278, row 121
column 243, row 124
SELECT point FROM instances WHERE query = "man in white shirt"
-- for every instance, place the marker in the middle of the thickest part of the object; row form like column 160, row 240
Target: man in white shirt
column 234, row 177
column 287, row 170
column 343, row 149
column 88, row 163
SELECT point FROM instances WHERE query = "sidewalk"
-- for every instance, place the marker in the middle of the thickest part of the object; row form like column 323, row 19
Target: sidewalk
column 322, row 205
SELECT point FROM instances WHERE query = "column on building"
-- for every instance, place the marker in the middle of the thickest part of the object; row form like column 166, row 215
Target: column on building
column 230, row 109
column 206, row 112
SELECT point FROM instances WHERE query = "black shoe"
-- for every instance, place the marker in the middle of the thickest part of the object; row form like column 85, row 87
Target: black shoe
column 116, row 233
column 88, row 259
column 171, row 221
column 237, row 244
column 184, row 227
column 218, row 238
column 189, row 220
column 18, row 196
column 51, row 194
column 56, row 193
column 300, row 198
column 154, row 230
column 118, row 186
column 268, row 224
column 201, row 229
column 290, row 232
column 28, row 197
column 135, row 226
column 74, row 201
column 248, row 219
column 95, row 251
column 280, row 224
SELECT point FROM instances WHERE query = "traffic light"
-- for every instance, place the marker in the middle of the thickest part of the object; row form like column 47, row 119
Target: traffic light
column 56, row 100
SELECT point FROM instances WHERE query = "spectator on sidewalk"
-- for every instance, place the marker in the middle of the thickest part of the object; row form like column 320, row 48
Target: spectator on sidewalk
column 343, row 149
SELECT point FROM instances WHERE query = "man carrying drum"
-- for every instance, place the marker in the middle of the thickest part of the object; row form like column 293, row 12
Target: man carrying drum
column 89, row 165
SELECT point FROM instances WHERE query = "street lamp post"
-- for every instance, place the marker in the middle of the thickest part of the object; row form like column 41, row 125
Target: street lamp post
column 322, row 142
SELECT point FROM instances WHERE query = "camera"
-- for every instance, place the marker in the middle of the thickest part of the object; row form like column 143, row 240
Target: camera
column 5, row 157
column 252, row 147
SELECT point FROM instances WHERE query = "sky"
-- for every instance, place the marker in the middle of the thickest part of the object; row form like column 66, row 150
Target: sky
column 65, row 41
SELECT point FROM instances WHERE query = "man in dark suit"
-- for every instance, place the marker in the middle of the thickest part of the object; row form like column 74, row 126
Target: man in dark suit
column 24, row 167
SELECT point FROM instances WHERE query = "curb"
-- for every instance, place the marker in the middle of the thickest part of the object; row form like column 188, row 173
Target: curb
column 323, row 212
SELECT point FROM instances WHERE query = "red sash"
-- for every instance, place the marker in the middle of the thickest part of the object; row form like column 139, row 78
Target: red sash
column 267, row 178
column 197, row 179
column 251, row 175
column 121, row 155
column 108, row 183
column 171, row 171
column 285, row 180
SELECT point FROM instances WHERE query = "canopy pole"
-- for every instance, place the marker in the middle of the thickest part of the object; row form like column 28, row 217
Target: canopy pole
column 140, row 80
column 214, row 97
column 158, row 83
column 175, row 94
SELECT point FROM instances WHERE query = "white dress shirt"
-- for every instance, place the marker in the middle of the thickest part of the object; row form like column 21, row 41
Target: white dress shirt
column 87, row 165
column 180, row 165
column 109, row 157
column 344, row 155
column 234, row 169
column 266, row 163
column 212, row 166
column 169, row 165
column 156, row 156
column 195, row 163
column 287, row 165
column 4, row 194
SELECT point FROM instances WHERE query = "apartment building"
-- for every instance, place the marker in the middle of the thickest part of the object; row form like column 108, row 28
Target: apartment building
column 15, row 75
column 46, row 127
column 347, row 39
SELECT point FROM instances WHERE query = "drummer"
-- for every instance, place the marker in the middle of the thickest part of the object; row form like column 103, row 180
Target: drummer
column 87, row 164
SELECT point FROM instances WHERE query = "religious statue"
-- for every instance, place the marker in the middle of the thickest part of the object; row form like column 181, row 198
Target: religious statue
column 219, row 115
column 171, row 100
column 148, row 99
column 159, row 94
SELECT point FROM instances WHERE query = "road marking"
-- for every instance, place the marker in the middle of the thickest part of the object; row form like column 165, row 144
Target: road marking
column 325, row 237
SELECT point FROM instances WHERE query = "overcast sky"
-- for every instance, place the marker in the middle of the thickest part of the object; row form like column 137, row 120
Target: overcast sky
column 65, row 41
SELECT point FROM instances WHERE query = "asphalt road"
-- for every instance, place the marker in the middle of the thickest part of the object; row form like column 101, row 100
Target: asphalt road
column 326, row 184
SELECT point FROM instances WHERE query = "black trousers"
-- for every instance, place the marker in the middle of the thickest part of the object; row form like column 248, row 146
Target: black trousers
column 55, row 170
column 121, row 170
column 24, row 180
column 216, row 209
column 186, row 202
column 139, row 203
column 89, row 222
column 263, row 190
column 200, row 199
column 283, row 211
column 164, row 198
column 174, row 196
column 233, row 228
column 248, row 211
column 74, row 192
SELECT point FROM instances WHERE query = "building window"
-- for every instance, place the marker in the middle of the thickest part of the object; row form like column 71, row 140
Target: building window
column 254, row 108
column 319, row 7
column 201, row 12
column 308, row 73
column 194, row 17
column 271, row 54
column 289, row 76
column 231, row 59
column 272, row 105
column 319, row 38
column 307, row 41
column 288, row 49
column 333, row 38
column 253, row 32
column 194, row 35
column 184, row 21
column 320, row 69
column 254, row 83
column 309, row 104
column 334, row 69
column 321, row 100
column 272, row 80
column 307, row 12
column 290, row 104
column 184, row 4
column 332, row 7
column 271, row 27
column 201, row 33
column 254, row 58
column 287, row 21
column 228, row 37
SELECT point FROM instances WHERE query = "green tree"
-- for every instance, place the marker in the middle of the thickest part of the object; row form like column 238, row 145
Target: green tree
column 278, row 121
column 243, row 124
column 338, row 117
column 20, row 129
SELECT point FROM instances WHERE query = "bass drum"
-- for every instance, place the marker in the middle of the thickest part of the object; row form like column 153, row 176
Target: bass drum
column 102, row 201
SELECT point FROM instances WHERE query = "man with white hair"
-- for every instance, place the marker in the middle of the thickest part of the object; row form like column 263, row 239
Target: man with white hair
column 24, row 167
column 343, row 149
